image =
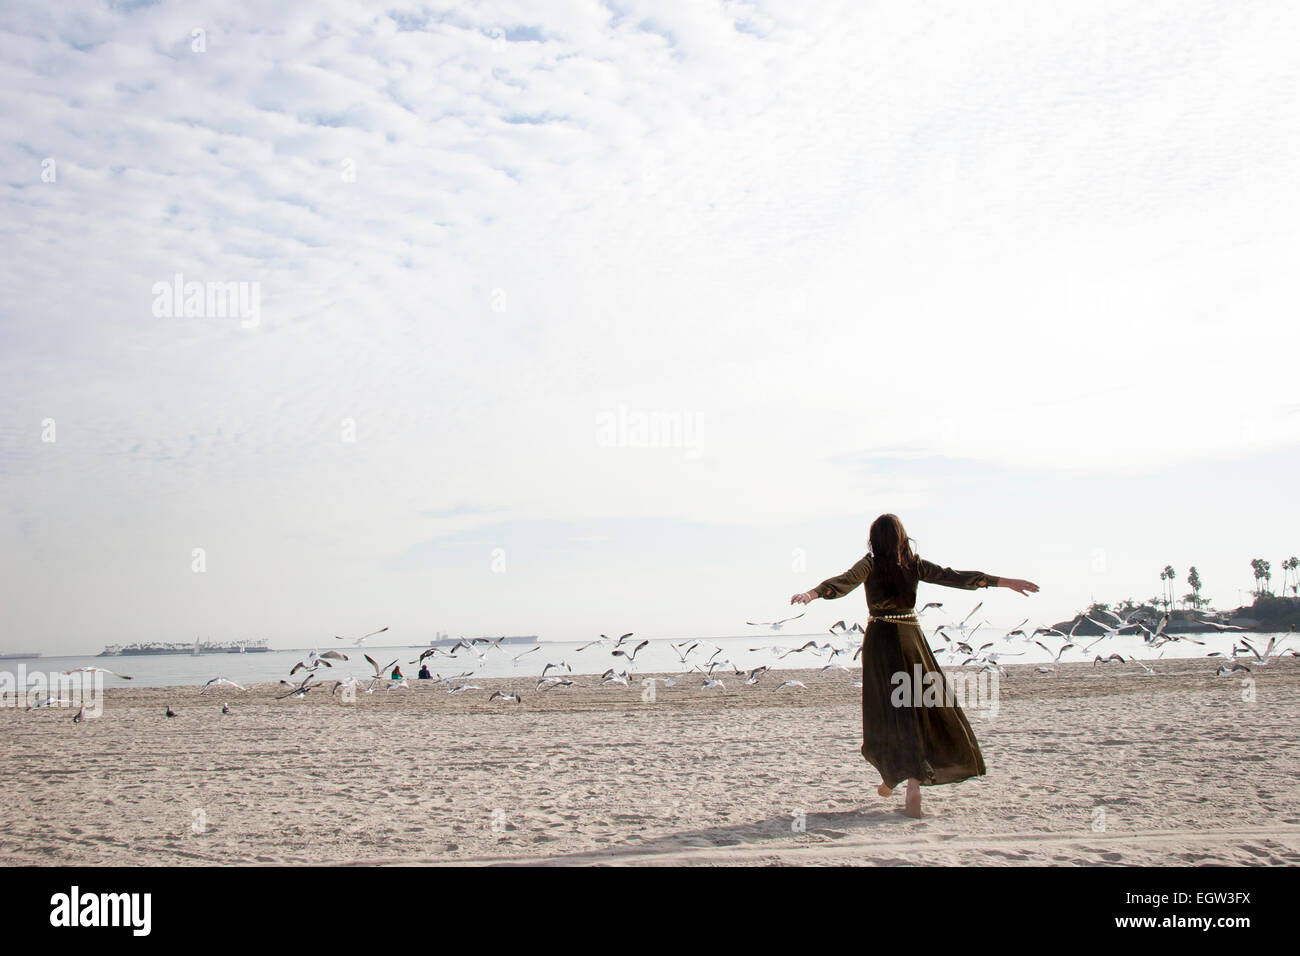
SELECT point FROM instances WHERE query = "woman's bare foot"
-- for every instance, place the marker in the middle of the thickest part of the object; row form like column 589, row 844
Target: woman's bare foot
column 912, row 805
column 884, row 791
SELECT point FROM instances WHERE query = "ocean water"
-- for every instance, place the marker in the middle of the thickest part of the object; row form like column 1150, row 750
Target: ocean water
column 745, row 652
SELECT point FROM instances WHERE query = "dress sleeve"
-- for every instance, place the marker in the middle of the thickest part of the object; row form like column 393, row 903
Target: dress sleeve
column 966, row 580
column 842, row 584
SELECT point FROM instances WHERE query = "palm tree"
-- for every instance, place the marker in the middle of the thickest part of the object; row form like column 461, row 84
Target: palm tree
column 1263, row 572
column 1168, row 575
column 1194, row 579
column 1291, row 566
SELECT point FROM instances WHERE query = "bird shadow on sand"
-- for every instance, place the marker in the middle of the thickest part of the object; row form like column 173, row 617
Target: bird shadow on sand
column 781, row 832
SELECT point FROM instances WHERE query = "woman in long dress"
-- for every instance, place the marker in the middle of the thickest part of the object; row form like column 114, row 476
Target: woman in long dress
column 924, row 744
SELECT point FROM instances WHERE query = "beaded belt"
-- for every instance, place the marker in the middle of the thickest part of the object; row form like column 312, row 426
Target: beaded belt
column 893, row 617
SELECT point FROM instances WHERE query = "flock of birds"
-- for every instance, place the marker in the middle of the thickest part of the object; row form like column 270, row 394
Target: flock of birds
column 958, row 643
column 702, row 659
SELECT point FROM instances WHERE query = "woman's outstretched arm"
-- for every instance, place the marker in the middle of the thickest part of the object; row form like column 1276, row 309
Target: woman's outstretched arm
column 839, row 585
column 969, row 580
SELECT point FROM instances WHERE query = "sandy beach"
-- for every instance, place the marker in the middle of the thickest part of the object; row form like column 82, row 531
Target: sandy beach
column 1085, row 766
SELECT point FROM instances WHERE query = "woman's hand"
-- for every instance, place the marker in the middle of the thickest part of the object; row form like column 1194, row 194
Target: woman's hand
column 1018, row 584
column 804, row 598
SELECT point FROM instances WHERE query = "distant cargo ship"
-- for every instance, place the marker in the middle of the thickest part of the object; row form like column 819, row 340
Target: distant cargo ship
column 18, row 657
column 198, row 647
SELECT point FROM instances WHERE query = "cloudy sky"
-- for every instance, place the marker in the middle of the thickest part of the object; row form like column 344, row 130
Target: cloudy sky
column 575, row 316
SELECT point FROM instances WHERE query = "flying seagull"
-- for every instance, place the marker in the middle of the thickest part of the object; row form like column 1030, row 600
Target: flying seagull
column 775, row 625
column 358, row 641
column 221, row 680
column 98, row 670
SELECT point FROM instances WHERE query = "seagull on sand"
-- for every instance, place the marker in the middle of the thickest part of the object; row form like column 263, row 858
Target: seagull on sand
column 225, row 708
column 360, row 640
column 456, row 690
column 511, row 698
column 79, row 715
column 614, row 677
column 775, row 625
column 220, row 681
column 98, row 670
column 170, row 712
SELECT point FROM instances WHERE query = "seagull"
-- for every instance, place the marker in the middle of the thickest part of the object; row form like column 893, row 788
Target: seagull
column 1106, row 660
column 1056, row 659
column 1262, row 659
column 791, row 683
column 301, row 689
column 511, row 698
column 1226, row 627
column 316, row 661
column 1226, row 670
column 621, row 638
column 563, row 664
column 550, row 682
column 379, row 671
column 775, row 625
column 98, row 670
column 362, row 638
column 796, row 650
column 78, row 716
column 612, row 677
column 350, row 682
column 454, row 690
column 335, row 655
column 225, row 708
column 1016, row 630
column 755, row 674
column 526, row 653
column 221, row 680
column 447, row 680
column 682, row 655
column 845, row 629
column 630, row 655
column 926, row 607
column 709, row 682
column 48, row 701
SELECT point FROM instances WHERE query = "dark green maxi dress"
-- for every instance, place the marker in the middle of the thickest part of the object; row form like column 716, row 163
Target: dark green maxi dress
column 935, row 743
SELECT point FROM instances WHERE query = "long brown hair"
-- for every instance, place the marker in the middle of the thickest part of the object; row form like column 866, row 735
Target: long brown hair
column 891, row 550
